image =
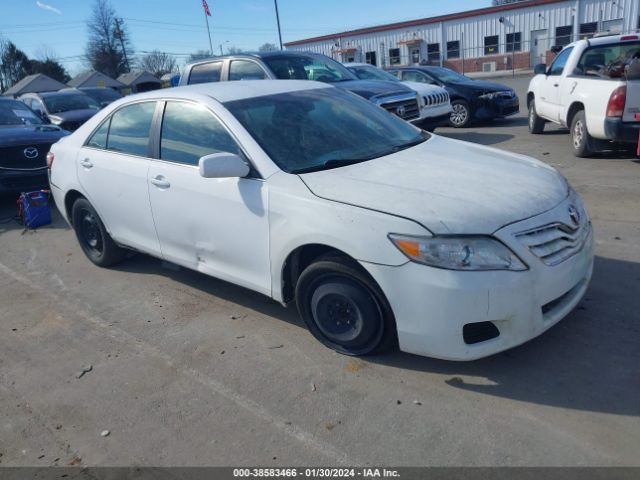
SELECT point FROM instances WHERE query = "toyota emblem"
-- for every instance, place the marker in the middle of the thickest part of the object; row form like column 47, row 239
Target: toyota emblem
column 400, row 111
column 574, row 215
column 30, row 152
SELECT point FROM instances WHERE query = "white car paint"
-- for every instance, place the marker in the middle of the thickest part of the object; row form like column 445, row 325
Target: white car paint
column 431, row 108
column 243, row 229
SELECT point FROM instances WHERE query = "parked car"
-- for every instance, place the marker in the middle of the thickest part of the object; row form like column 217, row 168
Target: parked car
column 24, row 142
column 437, row 107
column 300, row 191
column 103, row 95
column 284, row 65
column 592, row 87
column 67, row 110
column 471, row 99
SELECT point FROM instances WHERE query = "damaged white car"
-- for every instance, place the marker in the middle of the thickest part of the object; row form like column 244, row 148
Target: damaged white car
column 380, row 232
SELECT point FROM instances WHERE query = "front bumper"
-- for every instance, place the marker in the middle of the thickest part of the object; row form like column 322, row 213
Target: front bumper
column 16, row 181
column 496, row 108
column 432, row 306
column 623, row 132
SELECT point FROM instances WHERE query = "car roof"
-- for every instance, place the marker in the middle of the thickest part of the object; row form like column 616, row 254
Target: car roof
column 230, row 91
column 273, row 53
column 358, row 64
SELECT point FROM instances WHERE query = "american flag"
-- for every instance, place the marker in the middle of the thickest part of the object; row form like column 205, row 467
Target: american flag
column 206, row 8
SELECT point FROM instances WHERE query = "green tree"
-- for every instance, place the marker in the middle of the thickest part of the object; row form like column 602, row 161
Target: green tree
column 14, row 64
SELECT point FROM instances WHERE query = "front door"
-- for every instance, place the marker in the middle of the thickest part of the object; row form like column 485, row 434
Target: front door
column 218, row 226
column 539, row 47
column 112, row 168
column 555, row 82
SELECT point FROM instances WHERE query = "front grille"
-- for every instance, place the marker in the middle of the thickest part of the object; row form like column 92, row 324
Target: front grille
column 17, row 157
column 436, row 99
column 479, row 332
column 405, row 109
column 556, row 242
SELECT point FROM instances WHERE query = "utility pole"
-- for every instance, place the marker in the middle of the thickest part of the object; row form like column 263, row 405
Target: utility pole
column 118, row 34
column 278, row 20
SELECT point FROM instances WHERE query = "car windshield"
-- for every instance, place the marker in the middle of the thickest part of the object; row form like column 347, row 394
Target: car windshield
column 17, row 113
column 308, row 67
column 446, row 75
column 366, row 72
column 70, row 101
column 103, row 94
column 322, row 128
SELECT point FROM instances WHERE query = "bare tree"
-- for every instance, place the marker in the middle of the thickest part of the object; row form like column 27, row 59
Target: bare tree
column 233, row 50
column 268, row 47
column 199, row 55
column 109, row 46
column 158, row 63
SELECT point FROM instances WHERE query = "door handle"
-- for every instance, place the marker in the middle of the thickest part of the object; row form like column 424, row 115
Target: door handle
column 160, row 182
column 86, row 163
column 556, row 84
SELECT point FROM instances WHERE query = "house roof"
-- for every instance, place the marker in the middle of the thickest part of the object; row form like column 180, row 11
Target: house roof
column 35, row 83
column 94, row 79
column 425, row 21
column 136, row 77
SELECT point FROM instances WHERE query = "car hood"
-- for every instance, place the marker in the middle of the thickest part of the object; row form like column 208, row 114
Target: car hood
column 448, row 186
column 75, row 115
column 29, row 134
column 372, row 88
column 482, row 85
column 424, row 88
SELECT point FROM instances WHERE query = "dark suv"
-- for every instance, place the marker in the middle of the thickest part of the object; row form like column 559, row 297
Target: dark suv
column 67, row 109
column 471, row 99
column 283, row 65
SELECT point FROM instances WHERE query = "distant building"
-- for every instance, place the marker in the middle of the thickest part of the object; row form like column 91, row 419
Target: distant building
column 513, row 34
column 94, row 79
column 139, row 81
column 34, row 84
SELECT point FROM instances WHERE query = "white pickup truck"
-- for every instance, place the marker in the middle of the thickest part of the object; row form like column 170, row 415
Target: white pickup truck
column 592, row 87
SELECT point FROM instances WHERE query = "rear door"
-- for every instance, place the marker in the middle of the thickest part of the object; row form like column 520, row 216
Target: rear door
column 112, row 169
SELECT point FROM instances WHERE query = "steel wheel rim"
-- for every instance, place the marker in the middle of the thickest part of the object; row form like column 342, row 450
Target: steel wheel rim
column 338, row 317
column 91, row 233
column 459, row 114
column 578, row 134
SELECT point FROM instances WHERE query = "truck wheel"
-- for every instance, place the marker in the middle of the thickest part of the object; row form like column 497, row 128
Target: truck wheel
column 93, row 237
column 536, row 124
column 581, row 141
column 343, row 308
column 461, row 115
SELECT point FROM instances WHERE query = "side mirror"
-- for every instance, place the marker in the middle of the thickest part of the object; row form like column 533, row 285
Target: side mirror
column 540, row 69
column 223, row 165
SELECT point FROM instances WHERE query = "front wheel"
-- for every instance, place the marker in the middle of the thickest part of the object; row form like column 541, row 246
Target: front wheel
column 581, row 141
column 461, row 115
column 343, row 308
column 93, row 237
column 536, row 123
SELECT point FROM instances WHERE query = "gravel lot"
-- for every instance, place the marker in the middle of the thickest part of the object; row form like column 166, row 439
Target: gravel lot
column 189, row 370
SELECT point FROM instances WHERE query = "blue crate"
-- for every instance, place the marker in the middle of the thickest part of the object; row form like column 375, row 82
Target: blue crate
column 34, row 209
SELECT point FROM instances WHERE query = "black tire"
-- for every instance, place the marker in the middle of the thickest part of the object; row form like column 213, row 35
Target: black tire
column 94, row 239
column 581, row 141
column 461, row 116
column 344, row 308
column 536, row 123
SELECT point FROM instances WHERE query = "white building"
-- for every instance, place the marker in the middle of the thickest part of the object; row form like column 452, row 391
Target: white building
column 514, row 35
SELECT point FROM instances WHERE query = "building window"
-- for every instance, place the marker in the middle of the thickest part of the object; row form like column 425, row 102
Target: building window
column 453, row 49
column 394, row 56
column 563, row 35
column 370, row 58
column 491, row 45
column 414, row 54
column 588, row 30
column 514, row 42
column 433, row 53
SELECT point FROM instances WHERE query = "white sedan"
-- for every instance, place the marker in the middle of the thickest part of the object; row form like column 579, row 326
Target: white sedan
column 380, row 232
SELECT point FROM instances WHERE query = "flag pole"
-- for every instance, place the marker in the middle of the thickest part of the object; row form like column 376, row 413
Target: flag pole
column 206, row 19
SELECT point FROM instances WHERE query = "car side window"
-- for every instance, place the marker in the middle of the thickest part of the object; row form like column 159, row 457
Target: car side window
column 99, row 137
column 558, row 64
column 413, row 76
column 130, row 126
column 36, row 106
column 245, row 70
column 205, row 73
column 190, row 131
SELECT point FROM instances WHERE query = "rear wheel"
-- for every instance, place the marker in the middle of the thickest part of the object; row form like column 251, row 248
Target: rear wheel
column 581, row 141
column 461, row 115
column 93, row 237
column 536, row 124
column 343, row 308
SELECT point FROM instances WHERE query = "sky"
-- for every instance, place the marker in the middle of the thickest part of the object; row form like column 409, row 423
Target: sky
column 178, row 26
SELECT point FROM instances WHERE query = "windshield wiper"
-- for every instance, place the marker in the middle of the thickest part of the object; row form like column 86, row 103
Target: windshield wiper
column 332, row 163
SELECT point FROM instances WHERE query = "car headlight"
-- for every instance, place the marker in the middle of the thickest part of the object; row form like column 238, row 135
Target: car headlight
column 460, row 252
column 494, row 95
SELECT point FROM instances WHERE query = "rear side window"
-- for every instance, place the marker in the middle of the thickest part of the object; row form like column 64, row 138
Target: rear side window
column 190, row 131
column 129, row 131
column 245, row 70
column 205, row 73
column 99, row 137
